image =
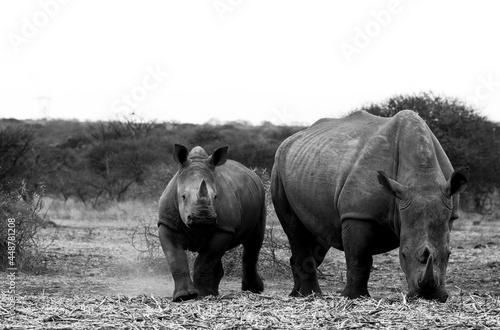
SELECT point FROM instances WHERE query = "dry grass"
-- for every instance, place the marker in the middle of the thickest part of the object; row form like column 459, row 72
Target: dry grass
column 95, row 279
column 250, row 311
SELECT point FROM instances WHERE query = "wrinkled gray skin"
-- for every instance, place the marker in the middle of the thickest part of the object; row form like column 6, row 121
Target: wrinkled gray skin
column 210, row 206
column 366, row 185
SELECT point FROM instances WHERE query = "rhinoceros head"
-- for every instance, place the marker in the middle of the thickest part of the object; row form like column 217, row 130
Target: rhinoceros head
column 425, row 209
column 196, row 185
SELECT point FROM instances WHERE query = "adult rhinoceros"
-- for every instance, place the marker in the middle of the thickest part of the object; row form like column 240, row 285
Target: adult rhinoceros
column 366, row 185
column 210, row 206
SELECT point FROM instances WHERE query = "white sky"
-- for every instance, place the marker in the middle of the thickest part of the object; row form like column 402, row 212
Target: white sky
column 279, row 61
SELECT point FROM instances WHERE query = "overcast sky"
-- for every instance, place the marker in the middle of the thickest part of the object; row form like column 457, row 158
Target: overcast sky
column 282, row 61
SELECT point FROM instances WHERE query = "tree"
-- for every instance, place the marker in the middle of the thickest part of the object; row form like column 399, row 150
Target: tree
column 16, row 144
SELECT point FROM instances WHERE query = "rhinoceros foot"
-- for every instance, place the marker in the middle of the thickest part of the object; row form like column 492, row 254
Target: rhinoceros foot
column 209, row 291
column 254, row 285
column 185, row 294
column 307, row 288
column 354, row 293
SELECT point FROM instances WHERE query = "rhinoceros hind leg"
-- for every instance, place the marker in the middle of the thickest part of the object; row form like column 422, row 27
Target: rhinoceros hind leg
column 251, row 280
column 358, row 238
column 302, row 242
column 303, row 262
column 255, row 285
column 296, row 280
column 207, row 283
column 319, row 253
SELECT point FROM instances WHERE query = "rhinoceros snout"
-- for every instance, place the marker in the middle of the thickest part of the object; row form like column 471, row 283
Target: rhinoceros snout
column 202, row 220
column 428, row 285
column 438, row 294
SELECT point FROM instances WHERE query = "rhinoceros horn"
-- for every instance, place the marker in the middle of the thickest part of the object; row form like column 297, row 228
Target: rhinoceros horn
column 428, row 279
column 203, row 192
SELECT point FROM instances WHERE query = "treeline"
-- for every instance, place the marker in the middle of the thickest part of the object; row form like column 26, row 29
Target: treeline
column 115, row 160
column 95, row 162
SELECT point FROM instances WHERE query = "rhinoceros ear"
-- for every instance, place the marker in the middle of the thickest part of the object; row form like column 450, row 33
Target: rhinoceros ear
column 393, row 186
column 458, row 181
column 180, row 153
column 219, row 157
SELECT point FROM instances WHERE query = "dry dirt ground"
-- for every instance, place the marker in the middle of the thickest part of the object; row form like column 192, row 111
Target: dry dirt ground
column 93, row 278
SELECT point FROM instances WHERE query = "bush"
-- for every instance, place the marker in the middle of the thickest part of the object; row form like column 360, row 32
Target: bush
column 157, row 176
column 16, row 157
column 22, row 220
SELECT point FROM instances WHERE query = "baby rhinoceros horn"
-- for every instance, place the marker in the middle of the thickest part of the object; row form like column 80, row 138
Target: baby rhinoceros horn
column 203, row 192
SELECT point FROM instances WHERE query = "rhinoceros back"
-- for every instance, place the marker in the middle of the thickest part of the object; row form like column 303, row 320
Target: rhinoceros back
column 329, row 171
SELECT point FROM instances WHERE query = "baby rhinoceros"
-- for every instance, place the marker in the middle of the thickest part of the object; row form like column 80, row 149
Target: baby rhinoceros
column 210, row 206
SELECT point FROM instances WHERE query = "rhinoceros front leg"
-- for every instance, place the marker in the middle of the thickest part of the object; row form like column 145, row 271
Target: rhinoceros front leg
column 208, row 270
column 358, row 239
column 178, row 263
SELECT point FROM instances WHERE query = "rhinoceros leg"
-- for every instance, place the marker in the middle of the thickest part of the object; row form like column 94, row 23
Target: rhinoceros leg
column 208, row 269
column 303, row 260
column 177, row 261
column 302, row 243
column 319, row 253
column 358, row 237
column 251, row 280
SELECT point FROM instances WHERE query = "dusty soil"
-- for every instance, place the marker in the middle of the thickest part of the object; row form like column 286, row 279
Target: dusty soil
column 98, row 258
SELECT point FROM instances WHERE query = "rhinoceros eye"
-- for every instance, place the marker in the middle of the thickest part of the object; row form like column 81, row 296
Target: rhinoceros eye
column 183, row 197
column 215, row 197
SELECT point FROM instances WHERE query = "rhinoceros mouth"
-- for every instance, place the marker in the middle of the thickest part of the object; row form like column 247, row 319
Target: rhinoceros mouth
column 438, row 294
column 198, row 221
column 428, row 285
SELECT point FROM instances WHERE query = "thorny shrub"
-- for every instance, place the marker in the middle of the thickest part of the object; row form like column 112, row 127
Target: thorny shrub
column 25, row 252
